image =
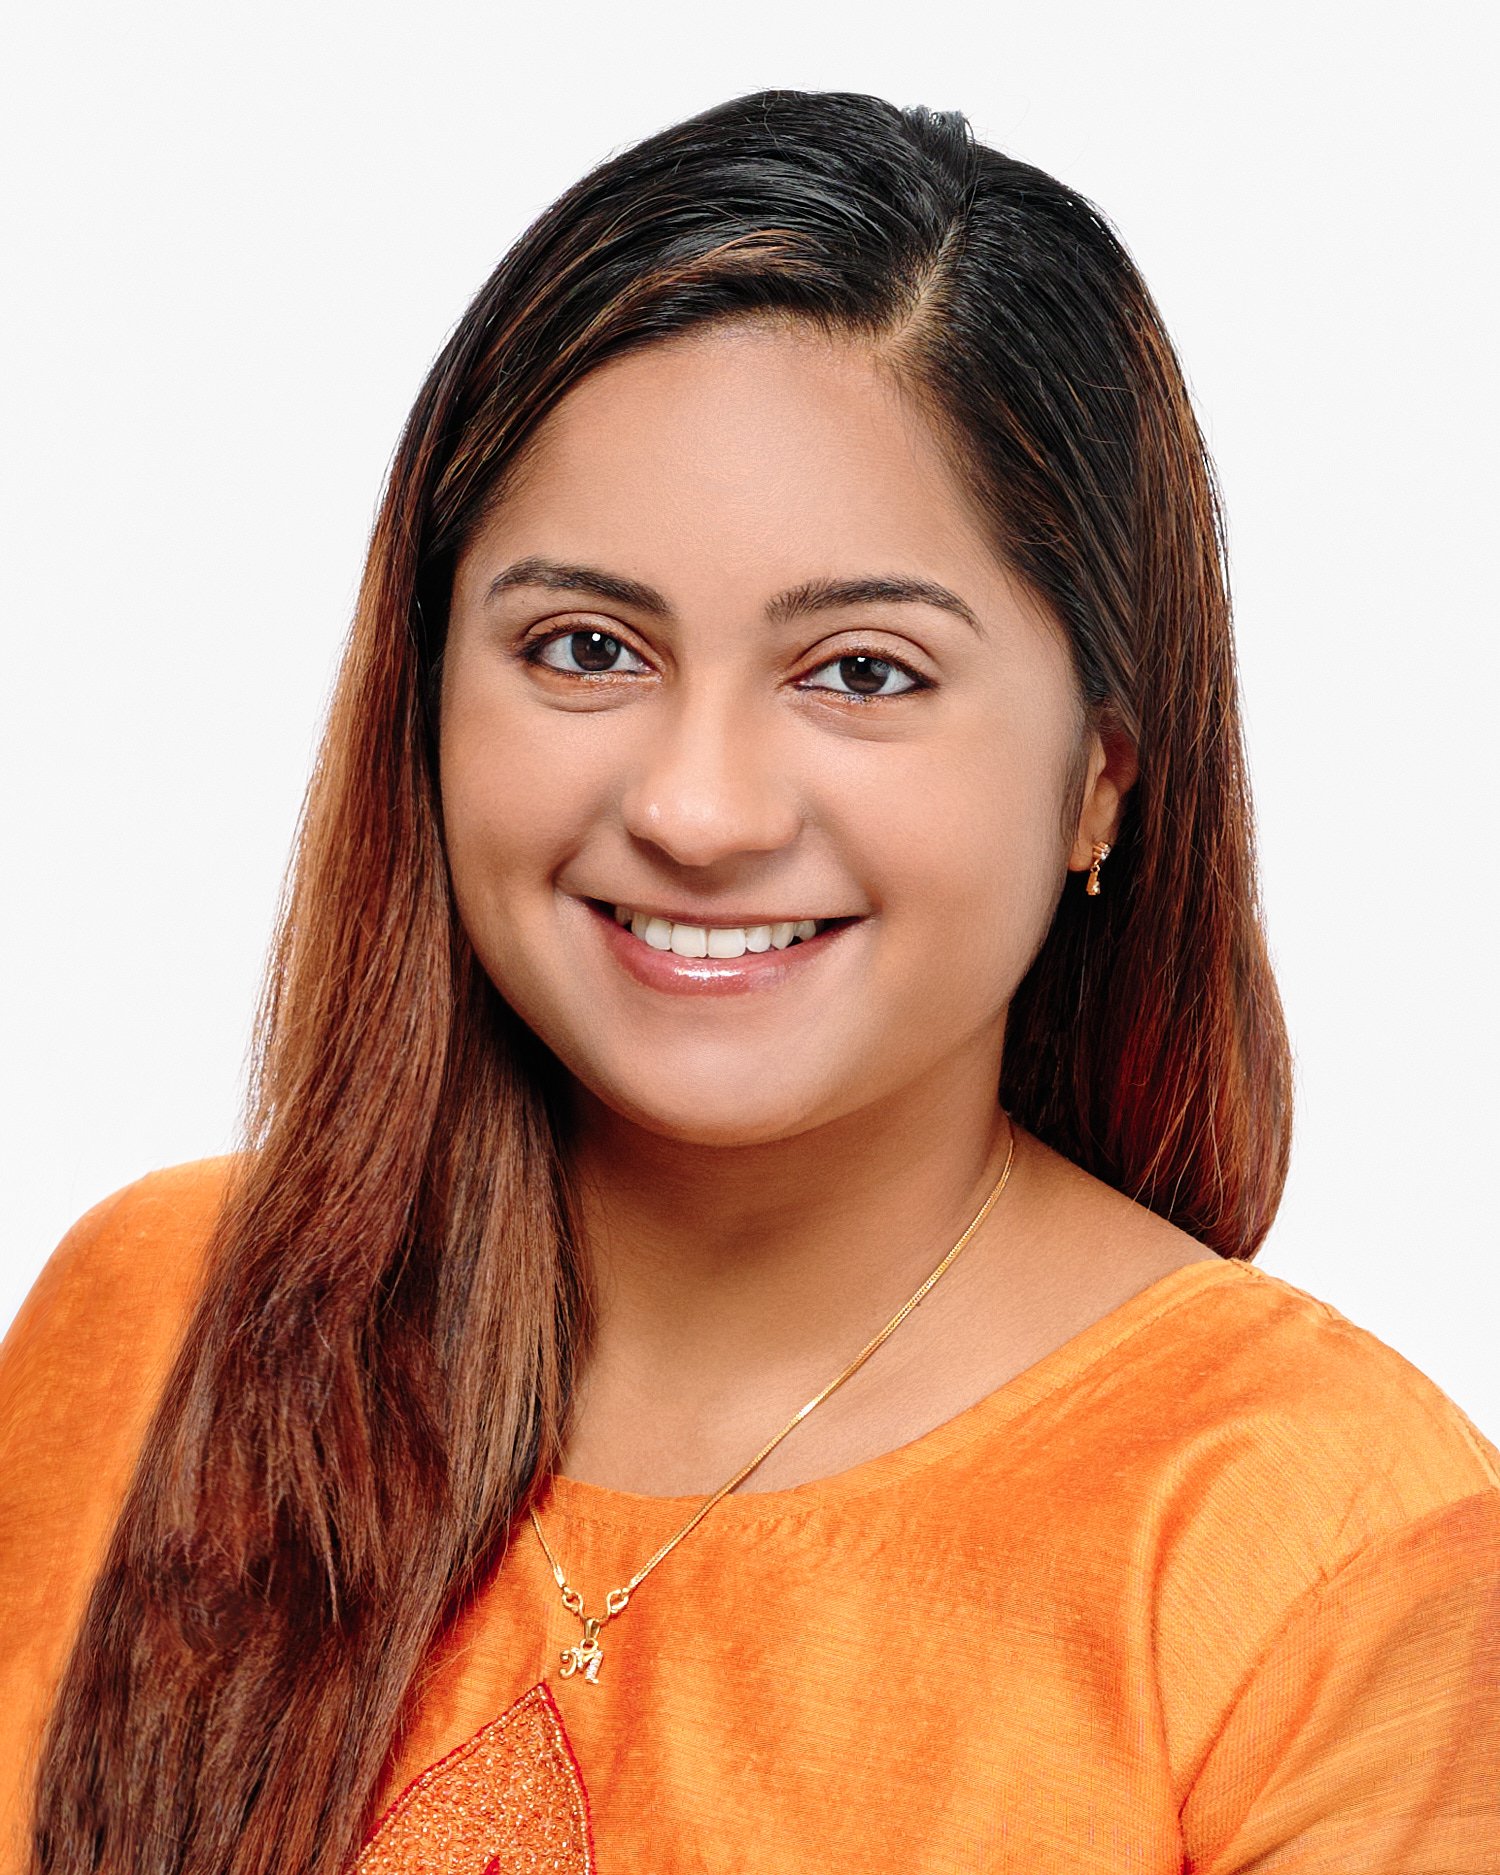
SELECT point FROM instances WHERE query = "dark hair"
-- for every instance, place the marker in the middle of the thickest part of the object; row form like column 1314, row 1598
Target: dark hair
column 393, row 1308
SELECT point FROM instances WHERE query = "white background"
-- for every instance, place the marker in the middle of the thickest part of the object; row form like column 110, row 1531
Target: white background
column 235, row 237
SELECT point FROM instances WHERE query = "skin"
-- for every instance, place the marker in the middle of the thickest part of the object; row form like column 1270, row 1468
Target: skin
column 766, row 1178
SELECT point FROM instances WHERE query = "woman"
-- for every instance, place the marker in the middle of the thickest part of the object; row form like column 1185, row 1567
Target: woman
column 774, row 927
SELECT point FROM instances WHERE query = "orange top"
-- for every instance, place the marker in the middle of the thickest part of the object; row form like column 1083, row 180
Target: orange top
column 1214, row 1586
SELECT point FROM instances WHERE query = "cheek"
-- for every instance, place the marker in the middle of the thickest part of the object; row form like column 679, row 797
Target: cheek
column 974, row 861
column 506, row 830
column 980, row 827
column 507, row 824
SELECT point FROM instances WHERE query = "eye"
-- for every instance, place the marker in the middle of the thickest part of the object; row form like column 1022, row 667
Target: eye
column 862, row 674
column 594, row 653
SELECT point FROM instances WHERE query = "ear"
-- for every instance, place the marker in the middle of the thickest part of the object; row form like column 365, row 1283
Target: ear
column 1111, row 772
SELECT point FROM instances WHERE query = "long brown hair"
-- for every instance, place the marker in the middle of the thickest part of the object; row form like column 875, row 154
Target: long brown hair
column 376, row 1378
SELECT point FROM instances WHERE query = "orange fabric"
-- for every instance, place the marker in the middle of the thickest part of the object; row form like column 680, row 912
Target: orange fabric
column 1213, row 1587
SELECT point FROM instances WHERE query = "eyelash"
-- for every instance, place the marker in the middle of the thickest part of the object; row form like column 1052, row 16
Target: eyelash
column 530, row 653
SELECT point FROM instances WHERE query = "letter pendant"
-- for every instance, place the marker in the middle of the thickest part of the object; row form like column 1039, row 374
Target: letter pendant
column 585, row 1656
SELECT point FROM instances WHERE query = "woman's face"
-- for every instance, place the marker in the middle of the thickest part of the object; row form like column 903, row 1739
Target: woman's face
column 701, row 665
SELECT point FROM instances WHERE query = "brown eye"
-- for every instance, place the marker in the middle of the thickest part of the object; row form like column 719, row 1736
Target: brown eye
column 864, row 675
column 594, row 653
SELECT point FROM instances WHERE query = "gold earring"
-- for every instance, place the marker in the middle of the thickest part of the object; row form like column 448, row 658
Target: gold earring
column 1101, row 853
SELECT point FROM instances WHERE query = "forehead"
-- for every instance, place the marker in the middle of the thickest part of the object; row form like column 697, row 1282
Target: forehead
column 751, row 447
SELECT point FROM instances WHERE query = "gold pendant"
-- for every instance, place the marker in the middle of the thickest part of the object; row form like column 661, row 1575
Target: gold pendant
column 585, row 1656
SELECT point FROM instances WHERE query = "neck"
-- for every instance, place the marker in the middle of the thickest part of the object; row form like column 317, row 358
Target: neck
column 725, row 1275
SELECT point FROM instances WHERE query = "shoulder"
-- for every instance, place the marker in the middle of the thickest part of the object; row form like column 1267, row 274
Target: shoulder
column 1230, row 1345
column 1274, row 1485
column 1339, row 1413
column 96, row 1333
column 1281, row 1448
column 172, row 1204
column 1329, row 1605
column 90, row 1348
column 81, row 1370
column 122, row 1274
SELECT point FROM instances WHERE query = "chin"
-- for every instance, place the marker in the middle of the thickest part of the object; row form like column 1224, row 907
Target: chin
column 715, row 1116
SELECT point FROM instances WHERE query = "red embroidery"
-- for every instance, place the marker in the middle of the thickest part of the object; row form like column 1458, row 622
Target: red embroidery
column 508, row 1801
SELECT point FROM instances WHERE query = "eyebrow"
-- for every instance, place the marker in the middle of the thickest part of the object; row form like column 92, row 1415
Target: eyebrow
column 812, row 595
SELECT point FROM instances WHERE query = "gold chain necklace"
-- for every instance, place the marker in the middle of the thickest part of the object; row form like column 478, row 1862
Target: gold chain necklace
column 586, row 1655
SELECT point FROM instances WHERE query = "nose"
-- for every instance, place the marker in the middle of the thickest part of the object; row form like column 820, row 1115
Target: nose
column 710, row 782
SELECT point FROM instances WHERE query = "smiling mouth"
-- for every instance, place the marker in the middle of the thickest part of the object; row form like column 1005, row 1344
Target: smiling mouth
column 715, row 941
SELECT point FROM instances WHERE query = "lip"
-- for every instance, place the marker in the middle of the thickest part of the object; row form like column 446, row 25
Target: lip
column 710, row 976
column 722, row 921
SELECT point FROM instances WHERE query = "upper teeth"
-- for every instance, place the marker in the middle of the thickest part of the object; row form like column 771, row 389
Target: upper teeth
column 696, row 940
